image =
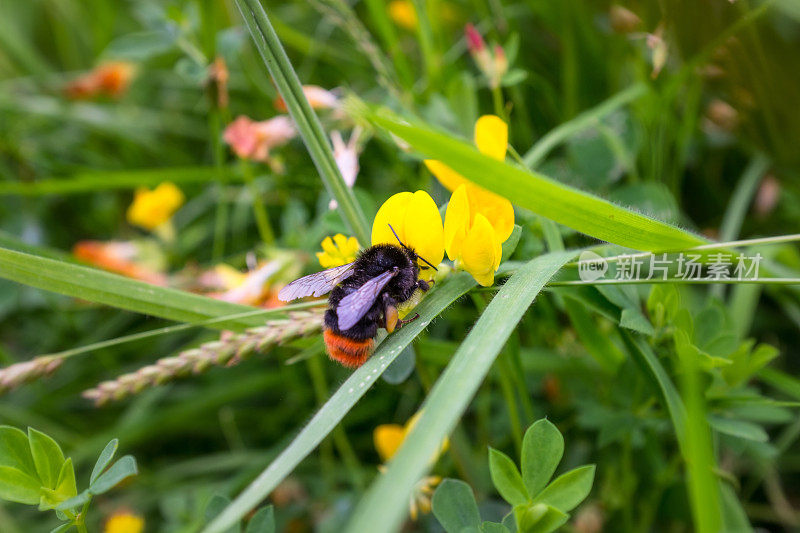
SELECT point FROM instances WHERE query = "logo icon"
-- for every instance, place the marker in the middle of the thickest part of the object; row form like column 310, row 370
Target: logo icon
column 591, row 266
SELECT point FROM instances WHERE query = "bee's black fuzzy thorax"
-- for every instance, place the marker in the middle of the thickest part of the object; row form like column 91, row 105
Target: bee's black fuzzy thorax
column 370, row 263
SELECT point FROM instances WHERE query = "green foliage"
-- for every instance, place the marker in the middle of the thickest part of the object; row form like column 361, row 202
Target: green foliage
column 454, row 506
column 34, row 471
column 261, row 521
column 685, row 397
column 539, row 505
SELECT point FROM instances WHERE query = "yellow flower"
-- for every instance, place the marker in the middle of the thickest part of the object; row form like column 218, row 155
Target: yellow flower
column 403, row 13
column 388, row 438
column 417, row 222
column 420, row 499
column 124, row 522
column 151, row 209
column 477, row 222
column 338, row 251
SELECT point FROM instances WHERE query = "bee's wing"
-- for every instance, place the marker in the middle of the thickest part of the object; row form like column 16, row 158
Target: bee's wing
column 353, row 306
column 316, row 284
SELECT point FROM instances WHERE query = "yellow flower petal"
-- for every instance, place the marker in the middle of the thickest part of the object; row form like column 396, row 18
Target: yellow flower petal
column 328, row 246
column 391, row 212
column 388, row 438
column 448, row 177
column 498, row 254
column 456, row 222
column 413, row 422
column 337, row 251
column 416, row 220
column 403, row 13
column 151, row 209
column 497, row 210
column 480, row 251
column 491, row 136
column 340, row 241
column 124, row 522
column 422, row 227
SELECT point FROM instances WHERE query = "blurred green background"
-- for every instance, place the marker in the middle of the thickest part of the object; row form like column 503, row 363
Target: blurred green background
column 727, row 94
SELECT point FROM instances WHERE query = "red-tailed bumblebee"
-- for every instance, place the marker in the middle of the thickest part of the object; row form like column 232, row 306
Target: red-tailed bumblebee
column 364, row 296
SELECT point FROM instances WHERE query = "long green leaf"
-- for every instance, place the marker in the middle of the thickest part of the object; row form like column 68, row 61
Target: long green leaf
column 647, row 360
column 274, row 56
column 117, row 291
column 334, row 410
column 560, row 133
column 386, row 501
column 93, row 181
column 691, row 430
column 566, row 205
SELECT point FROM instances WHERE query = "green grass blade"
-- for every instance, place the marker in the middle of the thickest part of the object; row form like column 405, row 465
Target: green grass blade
column 704, row 492
column 534, row 157
column 93, row 181
column 691, row 429
column 263, row 314
column 334, row 410
column 274, row 56
column 647, row 360
column 385, row 503
column 117, row 291
column 566, row 205
column 742, row 197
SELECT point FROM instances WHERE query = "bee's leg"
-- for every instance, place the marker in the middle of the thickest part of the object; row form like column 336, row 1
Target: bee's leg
column 423, row 285
column 391, row 318
column 408, row 320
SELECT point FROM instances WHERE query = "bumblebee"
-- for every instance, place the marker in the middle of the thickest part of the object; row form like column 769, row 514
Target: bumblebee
column 364, row 296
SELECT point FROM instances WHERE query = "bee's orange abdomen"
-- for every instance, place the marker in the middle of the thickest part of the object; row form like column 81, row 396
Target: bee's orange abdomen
column 349, row 352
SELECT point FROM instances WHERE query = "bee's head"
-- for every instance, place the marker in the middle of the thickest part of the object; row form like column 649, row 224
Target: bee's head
column 412, row 254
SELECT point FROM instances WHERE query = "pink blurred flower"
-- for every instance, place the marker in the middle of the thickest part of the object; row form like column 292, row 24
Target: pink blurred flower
column 346, row 156
column 769, row 193
column 475, row 41
column 493, row 64
column 658, row 46
column 318, row 97
column 253, row 140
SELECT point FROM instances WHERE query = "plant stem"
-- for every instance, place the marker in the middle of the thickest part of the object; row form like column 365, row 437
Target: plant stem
column 221, row 215
column 499, row 105
column 507, row 390
column 317, row 372
column 262, row 219
column 276, row 60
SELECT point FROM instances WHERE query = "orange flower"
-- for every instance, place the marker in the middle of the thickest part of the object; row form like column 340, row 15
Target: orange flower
column 119, row 257
column 251, row 288
column 253, row 140
column 108, row 79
